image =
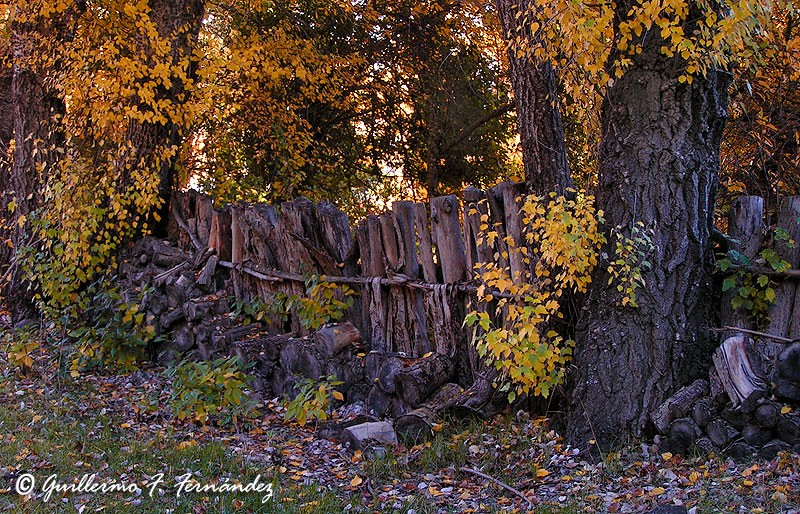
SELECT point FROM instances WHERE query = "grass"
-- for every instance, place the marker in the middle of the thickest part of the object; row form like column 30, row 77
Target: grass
column 119, row 428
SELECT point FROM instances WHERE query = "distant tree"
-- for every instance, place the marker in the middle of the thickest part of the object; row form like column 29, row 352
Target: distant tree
column 760, row 152
column 327, row 98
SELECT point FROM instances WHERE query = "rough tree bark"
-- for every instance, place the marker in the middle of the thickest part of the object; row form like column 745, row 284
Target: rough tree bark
column 35, row 109
column 659, row 160
column 179, row 22
column 541, row 131
column 6, row 134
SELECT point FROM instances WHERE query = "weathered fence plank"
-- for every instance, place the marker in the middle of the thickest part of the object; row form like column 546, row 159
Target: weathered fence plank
column 449, row 241
column 782, row 312
column 425, row 243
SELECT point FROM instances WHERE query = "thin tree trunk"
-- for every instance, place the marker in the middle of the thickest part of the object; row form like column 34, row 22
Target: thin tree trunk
column 541, row 131
column 659, row 161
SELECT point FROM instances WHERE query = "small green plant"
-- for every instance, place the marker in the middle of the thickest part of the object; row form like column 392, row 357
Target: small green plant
column 752, row 287
column 629, row 260
column 320, row 305
column 255, row 310
column 313, row 400
column 113, row 332
column 321, row 302
column 202, row 390
column 20, row 348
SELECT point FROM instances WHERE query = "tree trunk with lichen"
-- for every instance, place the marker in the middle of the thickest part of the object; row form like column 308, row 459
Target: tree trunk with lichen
column 659, row 161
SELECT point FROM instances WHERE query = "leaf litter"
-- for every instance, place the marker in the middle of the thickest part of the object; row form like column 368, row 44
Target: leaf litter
column 520, row 451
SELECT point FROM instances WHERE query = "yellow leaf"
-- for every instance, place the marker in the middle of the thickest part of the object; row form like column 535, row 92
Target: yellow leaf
column 657, row 491
column 786, row 409
column 666, row 455
column 356, row 481
column 541, row 473
column 748, row 483
column 187, row 444
column 338, row 396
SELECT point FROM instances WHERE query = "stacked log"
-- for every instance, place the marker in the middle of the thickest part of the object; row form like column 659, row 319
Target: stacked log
column 405, row 354
column 747, row 417
column 762, row 427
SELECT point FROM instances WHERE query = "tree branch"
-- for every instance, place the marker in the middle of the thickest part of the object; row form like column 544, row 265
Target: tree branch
column 496, row 481
column 467, row 132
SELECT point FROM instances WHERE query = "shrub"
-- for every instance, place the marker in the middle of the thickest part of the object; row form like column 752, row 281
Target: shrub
column 202, row 390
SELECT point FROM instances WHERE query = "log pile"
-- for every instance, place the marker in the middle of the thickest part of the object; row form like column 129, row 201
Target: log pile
column 190, row 303
column 405, row 356
column 410, row 268
column 749, row 405
column 716, row 417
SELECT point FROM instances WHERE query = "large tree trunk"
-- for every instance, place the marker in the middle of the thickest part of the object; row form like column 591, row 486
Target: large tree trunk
column 541, row 131
column 178, row 22
column 6, row 135
column 36, row 110
column 659, row 161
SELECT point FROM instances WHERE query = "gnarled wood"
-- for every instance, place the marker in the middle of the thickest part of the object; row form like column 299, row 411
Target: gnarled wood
column 449, row 241
column 746, row 231
column 416, row 382
column 332, row 339
column 733, row 366
column 782, row 312
column 418, row 424
column 425, row 243
column 679, row 404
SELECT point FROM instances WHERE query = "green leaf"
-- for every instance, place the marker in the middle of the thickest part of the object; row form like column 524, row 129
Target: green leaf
column 728, row 283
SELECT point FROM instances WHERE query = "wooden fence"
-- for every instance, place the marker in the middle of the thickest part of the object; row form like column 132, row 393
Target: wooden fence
column 411, row 266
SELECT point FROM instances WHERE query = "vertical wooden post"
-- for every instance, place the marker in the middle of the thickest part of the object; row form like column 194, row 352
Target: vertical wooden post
column 497, row 215
column 746, row 228
column 365, row 296
column 220, row 237
column 511, row 206
column 237, row 251
column 392, row 244
column 397, row 318
column 415, row 303
column 449, row 242
column 378, row 299
column 334, row 228
column 475, row 206
column 447, row 315
column 204, row 215
column 425, row 243
column 782, row 313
